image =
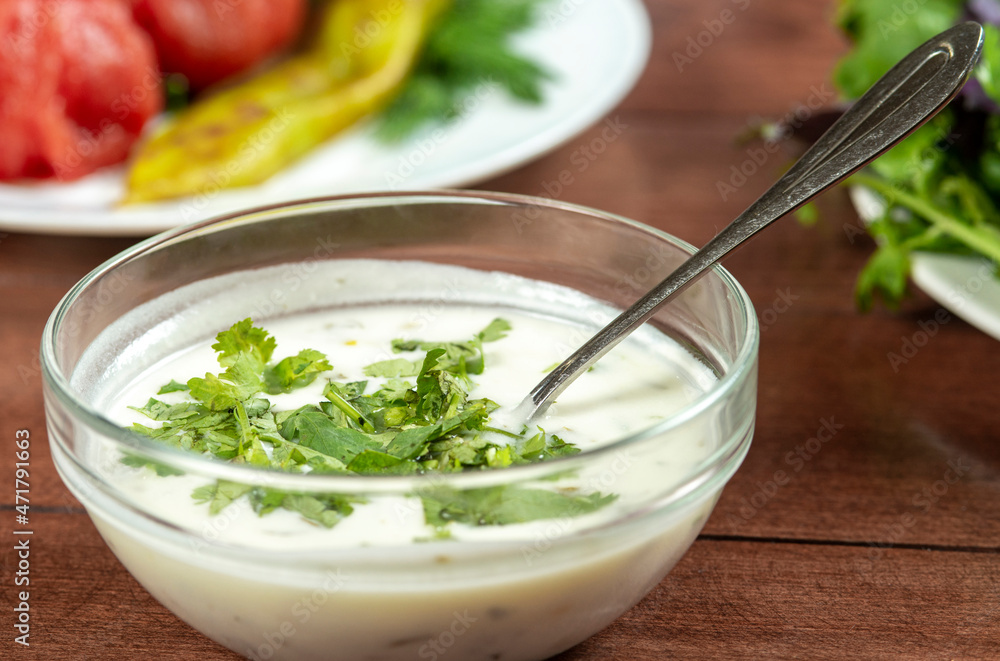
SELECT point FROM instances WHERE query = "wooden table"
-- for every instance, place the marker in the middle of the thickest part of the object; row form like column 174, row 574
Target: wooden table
column 880, row 542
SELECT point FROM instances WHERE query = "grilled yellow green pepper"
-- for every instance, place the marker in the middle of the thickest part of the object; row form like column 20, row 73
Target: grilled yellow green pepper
column 242, row 135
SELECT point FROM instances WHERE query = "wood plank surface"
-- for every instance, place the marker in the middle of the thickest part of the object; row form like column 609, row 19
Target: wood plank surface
column 882, row 541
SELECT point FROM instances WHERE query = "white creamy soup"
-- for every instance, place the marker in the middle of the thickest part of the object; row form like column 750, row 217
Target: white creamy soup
column 379, row 584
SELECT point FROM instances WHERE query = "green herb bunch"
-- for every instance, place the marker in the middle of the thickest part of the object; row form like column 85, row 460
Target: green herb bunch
column 467, row 52
column 940, row 186
column 403, row 427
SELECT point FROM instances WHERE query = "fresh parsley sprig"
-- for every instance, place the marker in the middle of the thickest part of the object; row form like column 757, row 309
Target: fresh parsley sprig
column 940, row 186
column 403, row 427
column 469, row 48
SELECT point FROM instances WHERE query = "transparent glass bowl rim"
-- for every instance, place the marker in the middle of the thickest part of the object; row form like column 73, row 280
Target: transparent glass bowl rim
column 59, row 383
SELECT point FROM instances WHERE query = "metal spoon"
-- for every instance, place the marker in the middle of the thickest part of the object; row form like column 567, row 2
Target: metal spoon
column 903, row 99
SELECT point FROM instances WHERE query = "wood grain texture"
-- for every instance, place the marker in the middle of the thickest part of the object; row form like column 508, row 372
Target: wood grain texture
column 882, row 541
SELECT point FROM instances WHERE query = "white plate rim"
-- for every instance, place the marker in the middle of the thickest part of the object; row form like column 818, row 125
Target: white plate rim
column 963, row 285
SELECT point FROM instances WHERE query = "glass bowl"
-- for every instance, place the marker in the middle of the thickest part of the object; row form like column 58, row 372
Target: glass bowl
column 527, row 591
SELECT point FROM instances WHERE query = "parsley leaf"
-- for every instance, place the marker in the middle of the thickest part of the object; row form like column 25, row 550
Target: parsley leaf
column 496, row 330
column 295, row 371
column 394, row 367
column 467, row 53
column 219, row 495
column 173, row 386
column 312, row 428
column 371, row 462
column 160, row 469
column 505, row 504
column 244, row 339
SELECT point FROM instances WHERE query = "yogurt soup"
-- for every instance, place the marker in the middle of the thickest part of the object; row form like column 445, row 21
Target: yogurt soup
column 382, row 583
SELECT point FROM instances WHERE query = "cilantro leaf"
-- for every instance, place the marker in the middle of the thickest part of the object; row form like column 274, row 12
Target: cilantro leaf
column 239, row 382
column 173, row 386
column 505, row 504
column 326, row 510
column 432, row 388
column 295, row 371
column 219, row 495
column 162, row 412
column 411, row 443
column 496, row 330
column 372, row 462
column 884, row 275
column 160, row 469
column 313, row 429
column 542, row 447
column 243, row 338
column 393, row 367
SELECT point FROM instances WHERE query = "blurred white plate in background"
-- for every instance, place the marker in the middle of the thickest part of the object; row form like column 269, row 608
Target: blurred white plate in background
column 596, row 48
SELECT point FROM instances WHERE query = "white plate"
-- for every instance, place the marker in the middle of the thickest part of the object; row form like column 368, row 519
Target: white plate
column 965, row 286
column 596, row 48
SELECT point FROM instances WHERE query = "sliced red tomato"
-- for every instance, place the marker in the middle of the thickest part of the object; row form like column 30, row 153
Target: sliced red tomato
column 208, row 40
column 78, row 80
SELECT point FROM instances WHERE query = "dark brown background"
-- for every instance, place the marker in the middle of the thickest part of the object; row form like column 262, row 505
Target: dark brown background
column 847, row 560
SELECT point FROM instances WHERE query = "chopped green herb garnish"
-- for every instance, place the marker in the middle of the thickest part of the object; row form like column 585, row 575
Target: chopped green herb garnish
column 420, row 420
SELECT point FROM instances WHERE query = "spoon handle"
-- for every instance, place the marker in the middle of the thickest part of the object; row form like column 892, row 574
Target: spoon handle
column 896, row 105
